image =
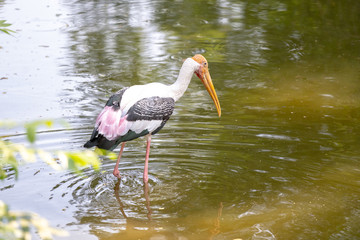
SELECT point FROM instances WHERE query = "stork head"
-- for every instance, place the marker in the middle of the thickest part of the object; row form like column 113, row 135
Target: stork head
column 203, row 73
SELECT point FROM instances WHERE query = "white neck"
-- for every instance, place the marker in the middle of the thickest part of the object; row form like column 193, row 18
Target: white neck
column 187, row 70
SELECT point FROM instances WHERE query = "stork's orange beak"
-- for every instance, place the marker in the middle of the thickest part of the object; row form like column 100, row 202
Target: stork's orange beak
column 206, row 79
column 204, row 75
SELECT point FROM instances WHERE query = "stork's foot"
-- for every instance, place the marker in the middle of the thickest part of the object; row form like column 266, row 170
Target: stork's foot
column 116, row 173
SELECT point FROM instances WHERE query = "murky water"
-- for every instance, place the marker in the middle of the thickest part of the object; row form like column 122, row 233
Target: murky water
column 281, row 163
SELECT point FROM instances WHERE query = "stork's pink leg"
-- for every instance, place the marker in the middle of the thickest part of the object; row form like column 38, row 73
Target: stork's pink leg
column 116, row 171
column 145, row 177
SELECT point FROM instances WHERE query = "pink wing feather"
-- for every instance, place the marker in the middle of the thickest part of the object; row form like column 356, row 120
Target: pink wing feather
column 111, row 123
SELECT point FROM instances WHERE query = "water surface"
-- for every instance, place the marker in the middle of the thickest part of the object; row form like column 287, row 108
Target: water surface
column 281, row 163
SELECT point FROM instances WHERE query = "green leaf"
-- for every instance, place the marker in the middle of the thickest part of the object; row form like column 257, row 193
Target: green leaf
column 31, row 128
column 103, row 152
column 2, row 173
column 3, row 26
column 71, row 164
column 31, row 132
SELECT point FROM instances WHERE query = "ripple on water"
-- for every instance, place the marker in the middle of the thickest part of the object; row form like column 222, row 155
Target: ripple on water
column 99, row 197
column 176, row 187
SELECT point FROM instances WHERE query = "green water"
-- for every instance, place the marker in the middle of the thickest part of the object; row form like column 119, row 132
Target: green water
column 282, row 162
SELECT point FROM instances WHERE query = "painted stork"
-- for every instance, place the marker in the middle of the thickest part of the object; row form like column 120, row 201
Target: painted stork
column 142, row 110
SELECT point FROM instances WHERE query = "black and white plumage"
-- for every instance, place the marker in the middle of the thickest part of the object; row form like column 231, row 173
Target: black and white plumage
column 146, row 116
column 143, row 110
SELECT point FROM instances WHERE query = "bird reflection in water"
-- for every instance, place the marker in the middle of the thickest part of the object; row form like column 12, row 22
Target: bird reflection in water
column 146, row 195
column 216, row 230
column 132, row 223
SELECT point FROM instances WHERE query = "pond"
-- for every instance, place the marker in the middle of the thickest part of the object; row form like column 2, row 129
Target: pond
column 282, row 162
